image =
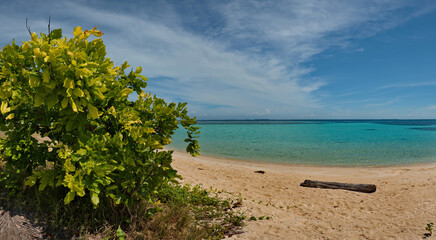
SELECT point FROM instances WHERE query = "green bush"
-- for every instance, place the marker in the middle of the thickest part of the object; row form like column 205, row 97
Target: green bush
column 101, row 144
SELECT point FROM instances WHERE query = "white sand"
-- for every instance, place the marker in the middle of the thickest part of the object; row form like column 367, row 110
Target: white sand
column 405, row 200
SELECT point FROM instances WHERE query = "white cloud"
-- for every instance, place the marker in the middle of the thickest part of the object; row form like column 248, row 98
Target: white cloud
column 254, row 63
column 381, row 104
column 407, row 85
column 431, row 108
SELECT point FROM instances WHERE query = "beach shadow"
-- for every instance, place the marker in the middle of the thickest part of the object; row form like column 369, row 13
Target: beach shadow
column 18, row 225
column 21, row 220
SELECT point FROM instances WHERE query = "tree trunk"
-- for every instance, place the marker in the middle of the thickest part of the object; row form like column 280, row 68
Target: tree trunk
column 365, row 188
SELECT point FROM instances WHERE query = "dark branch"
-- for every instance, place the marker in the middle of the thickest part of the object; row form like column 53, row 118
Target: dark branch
column 28, row 28
column 49, row 37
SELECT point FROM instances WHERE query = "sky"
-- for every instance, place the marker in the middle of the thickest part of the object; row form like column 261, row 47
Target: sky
column 280, row 59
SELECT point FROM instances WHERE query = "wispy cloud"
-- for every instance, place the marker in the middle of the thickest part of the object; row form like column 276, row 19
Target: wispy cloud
column 382, row 104
column 249, row 56
column 407, row 85
column 431, row 108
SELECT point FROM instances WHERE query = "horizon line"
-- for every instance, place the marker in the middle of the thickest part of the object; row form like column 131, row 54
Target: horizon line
column 321, row 119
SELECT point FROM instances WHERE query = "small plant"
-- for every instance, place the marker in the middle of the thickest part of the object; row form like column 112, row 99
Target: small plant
column 429, row 228
column 121, row 234
column 253, row 218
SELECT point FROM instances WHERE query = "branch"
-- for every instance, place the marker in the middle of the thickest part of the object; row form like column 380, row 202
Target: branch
column 28, row 28
column 49, row 38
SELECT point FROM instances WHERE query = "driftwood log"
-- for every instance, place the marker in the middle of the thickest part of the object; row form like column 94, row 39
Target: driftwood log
column 365, row 188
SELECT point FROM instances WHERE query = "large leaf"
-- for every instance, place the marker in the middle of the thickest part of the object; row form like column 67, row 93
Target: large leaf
column 52, row 100
column 64, row 103
column 126, row 92
column 31, row 180
column 69, row 197
column 73, row 105
column 138, row 70
column 34, row 81
column 5, row 108
column 92, row 111
column 94, row 198
column 39, row 98
column 56, row 34
column 78, row 92
column 46, row 75
column 77, row 31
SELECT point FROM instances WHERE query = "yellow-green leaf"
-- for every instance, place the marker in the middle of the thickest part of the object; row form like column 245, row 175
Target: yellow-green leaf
column 81, row 151
column 98, row 33
column 126, row 91
column 30, row 181
column 64, row 103
column 71, row 124
column 34, row 81
column 156, row 145
column 92, row 111
column 68, row 166
column 25, row 47
column 111, row 110
column 73, row 105
column 34, row 36
column 98, row 94
column 69, row 197
column 68, row 83
column 138, row 70
column 94, row 198
column 56, row 34
column 78, row 187
column 39, row 99
column 52, row 100
column 25, row 73
column 10, row 116
column 46, row 75
column 5, row 108
column 69, row 92
column 149, row 130
column 77, row 31
column 78, row 92
column 124, row 66
column 37, row 51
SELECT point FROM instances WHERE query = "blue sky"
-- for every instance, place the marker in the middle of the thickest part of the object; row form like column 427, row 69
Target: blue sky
column 262, row 59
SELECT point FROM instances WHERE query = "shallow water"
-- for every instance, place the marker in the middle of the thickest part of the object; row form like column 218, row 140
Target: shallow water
column 320, row 142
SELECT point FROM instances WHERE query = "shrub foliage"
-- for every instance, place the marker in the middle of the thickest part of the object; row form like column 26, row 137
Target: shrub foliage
column 101, row 145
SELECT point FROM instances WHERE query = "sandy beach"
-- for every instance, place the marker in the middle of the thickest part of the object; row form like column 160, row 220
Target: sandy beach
column 405, row 200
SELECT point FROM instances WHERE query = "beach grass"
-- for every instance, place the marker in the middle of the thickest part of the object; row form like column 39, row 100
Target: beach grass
column 179, row 212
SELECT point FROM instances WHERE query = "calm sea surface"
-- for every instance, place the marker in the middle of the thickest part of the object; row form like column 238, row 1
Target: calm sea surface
column 319, row 142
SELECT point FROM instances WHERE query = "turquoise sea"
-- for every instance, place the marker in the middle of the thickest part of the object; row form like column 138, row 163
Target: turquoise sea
column 319, row 142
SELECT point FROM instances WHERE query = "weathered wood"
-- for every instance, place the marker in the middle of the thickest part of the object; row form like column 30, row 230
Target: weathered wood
column 365, row 188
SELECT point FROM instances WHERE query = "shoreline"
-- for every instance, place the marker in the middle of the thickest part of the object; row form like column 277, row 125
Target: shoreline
column 400, row 208
column 297, row 165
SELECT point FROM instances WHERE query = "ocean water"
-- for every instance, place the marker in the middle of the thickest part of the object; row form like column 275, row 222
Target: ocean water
column 319, row 142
